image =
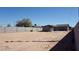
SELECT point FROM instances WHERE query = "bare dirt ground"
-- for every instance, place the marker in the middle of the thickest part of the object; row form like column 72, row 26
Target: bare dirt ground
column 30, row 41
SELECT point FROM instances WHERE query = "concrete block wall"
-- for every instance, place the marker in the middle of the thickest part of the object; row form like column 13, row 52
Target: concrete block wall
column 19, row 29
column 2, row 29
column 9, row 29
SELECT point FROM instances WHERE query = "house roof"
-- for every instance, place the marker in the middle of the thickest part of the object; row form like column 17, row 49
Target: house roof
column 48, row 26
column 62, row 25
column 58, row 25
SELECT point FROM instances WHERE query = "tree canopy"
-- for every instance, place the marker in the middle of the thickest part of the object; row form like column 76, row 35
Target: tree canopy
column 25, row 22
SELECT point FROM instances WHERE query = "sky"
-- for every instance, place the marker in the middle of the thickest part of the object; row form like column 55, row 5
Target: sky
column 39, row 15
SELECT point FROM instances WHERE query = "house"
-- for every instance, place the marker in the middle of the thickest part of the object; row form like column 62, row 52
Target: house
column 62, row 27
column 59, row 27
column 48, row 28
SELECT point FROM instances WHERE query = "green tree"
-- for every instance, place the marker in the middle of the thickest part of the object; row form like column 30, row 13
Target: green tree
column 25, row 22
column 35, row 25
column 8, row 25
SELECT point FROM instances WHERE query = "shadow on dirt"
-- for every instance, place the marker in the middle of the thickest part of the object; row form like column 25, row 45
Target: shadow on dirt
column 66, row 44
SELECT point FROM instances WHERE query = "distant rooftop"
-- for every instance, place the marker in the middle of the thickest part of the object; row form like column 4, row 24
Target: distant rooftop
column 61, row 25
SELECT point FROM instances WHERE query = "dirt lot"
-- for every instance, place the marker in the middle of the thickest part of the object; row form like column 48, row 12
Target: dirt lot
column 30, row 41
